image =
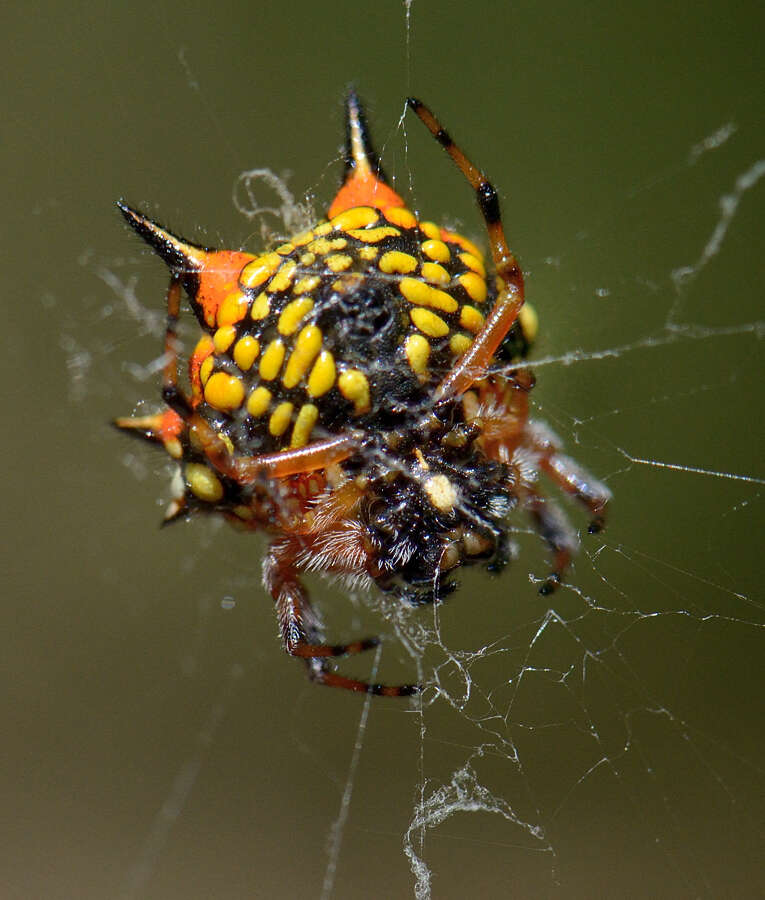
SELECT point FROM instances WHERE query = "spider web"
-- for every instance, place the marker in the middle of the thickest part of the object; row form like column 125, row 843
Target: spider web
column 606, row 735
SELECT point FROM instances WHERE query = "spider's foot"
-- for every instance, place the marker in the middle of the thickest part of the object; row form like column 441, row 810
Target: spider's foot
column 596, row 525
column 550, row 584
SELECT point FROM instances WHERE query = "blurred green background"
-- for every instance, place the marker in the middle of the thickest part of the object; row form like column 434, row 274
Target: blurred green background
column 608, row 742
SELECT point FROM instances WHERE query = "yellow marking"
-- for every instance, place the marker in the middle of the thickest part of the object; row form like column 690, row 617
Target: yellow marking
column 422, row 294
column 244, row 512
column 285, row 249
column 280, row 418
column 322, row 229
column 223, row 338
column 233, row 308
column 307, row 259
column 368, row 253
column 307, row 284
column 373, row 235
column 435, row 274
column 322, row 375
column 293, row 312
column 471, row 319
column 417, row 349
column 431, row 230
column 259, row 270
column 204, row 346
column 174, row 447
column 258, row 401
column 302, row 239
column 429, row 323
column 529, row 321
column 463, row 242
column 354, row 386
column 441, row 492
column 246, row 351
column 261, row 306
column 474, row 263
column 307, row 417
column 459, row 343
column 227, row 441
column 339, row 262
column 323, row 246
column 398, row 215
column 271, row 361
column 224, row 392
column 474, row 285
column 421, row 459
column 307, row 346
column 436, row 250
column 205, row 370
column 203, row 482
column 357, row 217
column 395, row 262
column 283, row 278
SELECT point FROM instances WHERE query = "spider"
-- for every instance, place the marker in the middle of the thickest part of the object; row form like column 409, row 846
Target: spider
column 346, row 396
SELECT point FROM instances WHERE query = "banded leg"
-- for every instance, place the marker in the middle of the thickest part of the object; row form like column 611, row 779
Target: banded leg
column 553, row 526
column 474, row 363
column 569, row 475
column 301, row 630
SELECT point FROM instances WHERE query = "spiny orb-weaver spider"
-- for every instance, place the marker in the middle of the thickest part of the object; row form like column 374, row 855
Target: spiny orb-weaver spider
column 346, row 396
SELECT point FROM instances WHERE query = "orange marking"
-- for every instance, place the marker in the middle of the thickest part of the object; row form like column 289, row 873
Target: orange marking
column 363, row 188
column 218, row 277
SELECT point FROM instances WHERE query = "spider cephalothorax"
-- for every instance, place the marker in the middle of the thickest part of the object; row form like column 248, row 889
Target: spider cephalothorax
column 342, row 399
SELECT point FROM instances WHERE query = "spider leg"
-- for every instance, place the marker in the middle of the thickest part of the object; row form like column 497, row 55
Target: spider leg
column 569, row 475
column 475, row 361
column 301, row 630
column 553, row 526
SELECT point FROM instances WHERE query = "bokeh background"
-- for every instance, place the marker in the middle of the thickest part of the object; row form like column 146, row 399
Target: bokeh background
column 607, row 741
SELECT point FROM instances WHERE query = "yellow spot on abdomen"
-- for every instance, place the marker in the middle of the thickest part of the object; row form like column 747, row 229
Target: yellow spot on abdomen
column 474, row 263
column 529, row 322
column 283, row 278
column 271, row 361
column 307, row 417
column 429, row 323
column 203, row 482
column 356, row 217
column 224, row 392
column 322, row 375
column 435, row 274
column 395, row 262
column 261, row 307
column 259, row 270
column 307, row 345
column 474, row 285
column 417, row 349
column 430, row 230
column 436, row 250
column 233, row 309
column 224, row 338
column 354, row 386
column 292, row 314
column 471, row 319
column 280, row 419
column 339, row 262
column 258, row 401
column 307, row 284
column 205, row 370
column 398, row 215
column 423, row 294
column 373, row 235
column 459, row 343
column 246, row 351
